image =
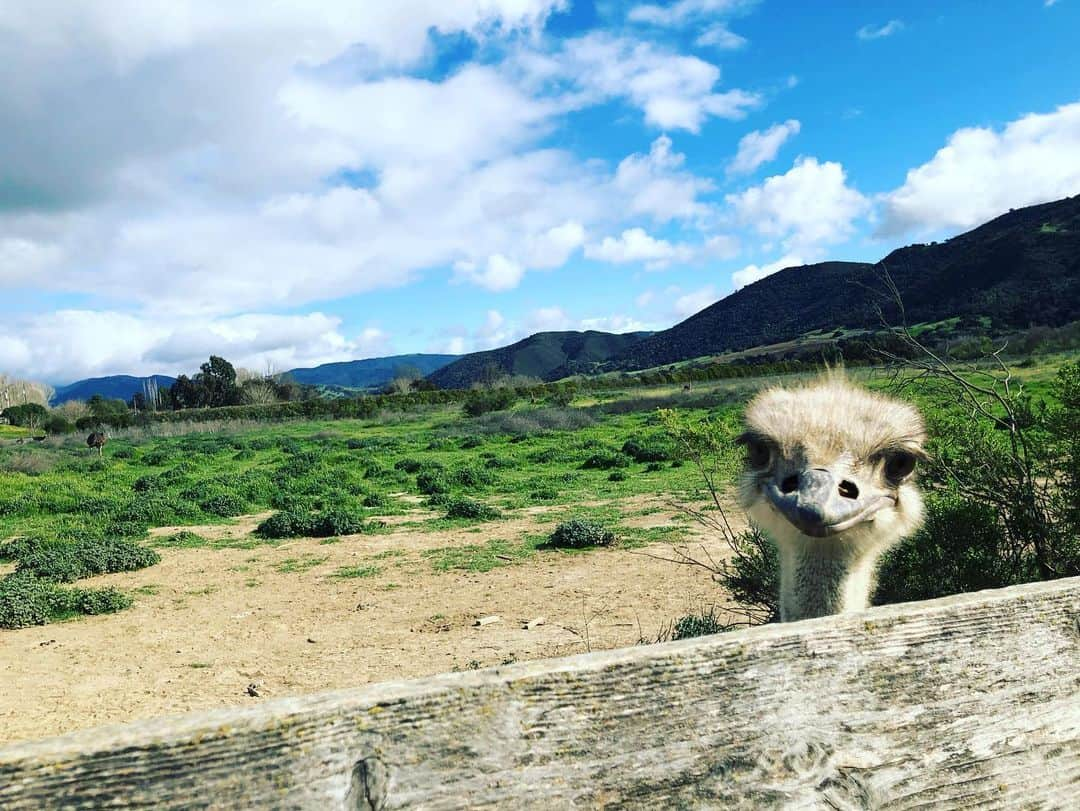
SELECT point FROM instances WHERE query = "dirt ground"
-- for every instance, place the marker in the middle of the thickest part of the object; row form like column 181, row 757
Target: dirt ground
column 207, row 623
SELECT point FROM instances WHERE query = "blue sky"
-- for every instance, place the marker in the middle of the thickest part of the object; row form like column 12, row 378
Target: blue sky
column 322, row 181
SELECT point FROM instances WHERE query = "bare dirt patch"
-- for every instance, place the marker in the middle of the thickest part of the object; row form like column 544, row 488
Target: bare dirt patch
column 309, row 615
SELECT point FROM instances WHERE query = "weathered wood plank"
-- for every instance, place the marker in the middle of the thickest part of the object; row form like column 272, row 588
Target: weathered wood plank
column 971, row 701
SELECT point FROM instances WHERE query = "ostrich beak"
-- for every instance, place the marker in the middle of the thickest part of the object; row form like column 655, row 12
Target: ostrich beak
column 819, row 504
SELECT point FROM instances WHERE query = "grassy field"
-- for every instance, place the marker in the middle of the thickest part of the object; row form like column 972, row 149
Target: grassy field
column 321, row 554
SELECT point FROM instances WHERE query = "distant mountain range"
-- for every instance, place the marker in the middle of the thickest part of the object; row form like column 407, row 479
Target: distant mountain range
column 1019, row 269
column 122, row 387
column 545, row 355
column 370, row 373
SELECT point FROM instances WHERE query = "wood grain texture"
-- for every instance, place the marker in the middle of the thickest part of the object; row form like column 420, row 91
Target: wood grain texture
column 967, row 702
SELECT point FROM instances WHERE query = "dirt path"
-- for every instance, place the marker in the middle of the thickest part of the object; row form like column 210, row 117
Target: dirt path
column 209, row 622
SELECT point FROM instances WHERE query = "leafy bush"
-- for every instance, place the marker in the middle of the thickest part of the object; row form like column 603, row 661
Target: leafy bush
column 376, row 501
column 579, row 533
column 960, row 548
column 225, row 505
column 297, row 524
column 641, row 450
column 617, row 476
column 431, row 482
column 471, row 477
column 483, row 401
column 409, row 465
column 470, row 442
column 68, row 562
column 606, row 460
column 470, row 509
column 25, row 600
column 703, row 624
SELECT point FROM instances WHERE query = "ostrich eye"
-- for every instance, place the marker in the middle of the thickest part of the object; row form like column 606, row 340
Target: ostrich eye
column 899, row 465
column 757, row 453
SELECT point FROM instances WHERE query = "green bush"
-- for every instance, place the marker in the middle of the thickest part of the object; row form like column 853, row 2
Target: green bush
column 641, row 450
column 376, row 501
column 68, row 562
column 471, row 477
column 431, row 482
column 579, row 533
column 617, row 476
column 297, row 524
column 606, row 460
column 470, row 509
column 225, row 505
column 25, row 600
column 409, row 465
column 702, row 624
column 483, row 401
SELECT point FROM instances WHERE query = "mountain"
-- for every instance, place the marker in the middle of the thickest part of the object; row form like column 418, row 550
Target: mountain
column 122, row 387
column 1020, row 269
column 369, row 373
column 545, row 355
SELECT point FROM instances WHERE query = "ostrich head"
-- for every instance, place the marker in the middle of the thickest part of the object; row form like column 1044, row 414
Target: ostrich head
column 830, row 478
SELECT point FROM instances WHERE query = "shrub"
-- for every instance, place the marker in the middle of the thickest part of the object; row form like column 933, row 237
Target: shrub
column 470, row 509
column 25, row 600
column 409, row 465
column 376, row 501
column 68, row 562
column 646, row 450
column 431, row 482
column 653, row 467
column 617, row 476
column 469, row 442
column 579, row 533
column 296, row 524
column 124, row 453
column 471, row 477
column 606, row 460
column 702, row 624
column 290, row 524
column 225, row 505
column 483, row 401
column 59, row 424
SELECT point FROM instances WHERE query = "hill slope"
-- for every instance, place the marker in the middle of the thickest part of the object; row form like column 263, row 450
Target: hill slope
column 1021, row 268
column 122, row 387
column 546, row 355
column 369, row 373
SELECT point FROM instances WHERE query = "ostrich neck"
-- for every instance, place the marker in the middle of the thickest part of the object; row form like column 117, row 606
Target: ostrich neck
column 820, row 577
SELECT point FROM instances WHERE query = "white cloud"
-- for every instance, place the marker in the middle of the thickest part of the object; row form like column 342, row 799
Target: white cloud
column 655, row 185
column 982, row 172
column 809, row 207
column 674, row 91
column 880, row 31
column 720, row 36
column 683, row 11
column 498, row 274
column 758, row 147
column 752, row 273
column 69, row 344
column 636, row 245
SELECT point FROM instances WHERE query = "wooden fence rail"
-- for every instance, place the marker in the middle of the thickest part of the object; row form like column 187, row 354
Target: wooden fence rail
column 968, row 701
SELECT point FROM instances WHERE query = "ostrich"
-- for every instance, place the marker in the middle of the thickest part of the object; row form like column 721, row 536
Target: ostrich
column 97, row 440
column 829, row 478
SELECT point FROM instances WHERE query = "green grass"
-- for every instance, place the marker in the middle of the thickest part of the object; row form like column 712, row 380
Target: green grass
column 527, row 456
column 351, row 572
column 303, row 563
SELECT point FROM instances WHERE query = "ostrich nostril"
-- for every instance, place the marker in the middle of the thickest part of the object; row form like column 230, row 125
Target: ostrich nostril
column 848, row 489
column 789, row 485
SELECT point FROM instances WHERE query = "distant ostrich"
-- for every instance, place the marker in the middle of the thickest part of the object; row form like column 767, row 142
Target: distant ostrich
column 829, row 478
column 97, row 440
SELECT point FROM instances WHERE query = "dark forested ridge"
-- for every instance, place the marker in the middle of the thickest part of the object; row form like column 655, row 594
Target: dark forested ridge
column 370, row 373
column 1020, row 269
column 119, row 387
column 545, row 355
